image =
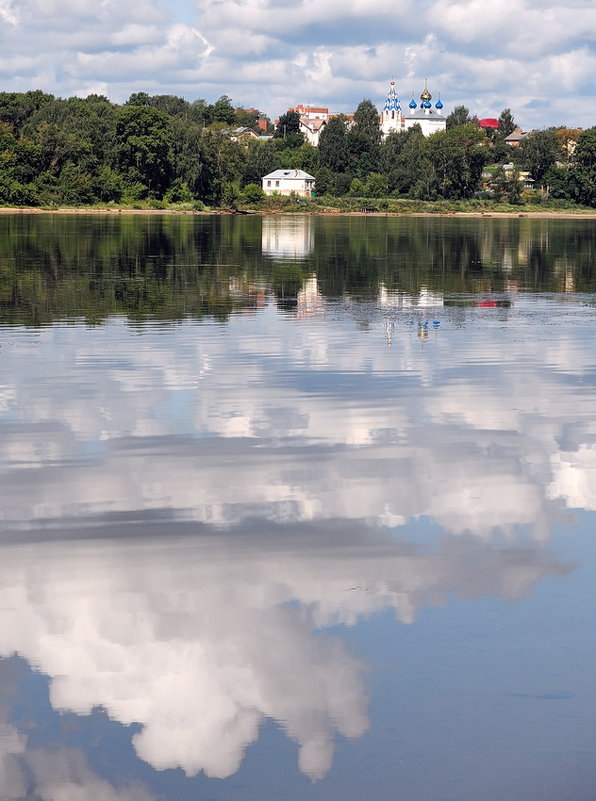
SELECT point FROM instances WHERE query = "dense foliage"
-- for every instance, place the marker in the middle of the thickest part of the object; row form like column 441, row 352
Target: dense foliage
column 162, row 149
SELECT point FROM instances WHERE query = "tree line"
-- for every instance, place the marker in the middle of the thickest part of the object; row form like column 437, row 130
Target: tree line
column 165, row 149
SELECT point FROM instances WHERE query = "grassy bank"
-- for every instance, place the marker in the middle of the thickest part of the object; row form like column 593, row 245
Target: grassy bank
column 333, row 205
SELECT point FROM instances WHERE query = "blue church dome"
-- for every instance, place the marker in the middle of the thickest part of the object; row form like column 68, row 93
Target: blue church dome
column 438, row 105
column 412, row 103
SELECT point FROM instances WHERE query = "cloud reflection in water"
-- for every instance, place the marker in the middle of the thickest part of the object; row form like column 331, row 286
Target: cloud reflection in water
column 199, row 639
column 267, row 510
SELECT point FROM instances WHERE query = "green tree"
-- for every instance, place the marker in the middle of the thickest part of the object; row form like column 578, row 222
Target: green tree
column 19, row 158
column 222, row 111
column 16, row 108
column 199, row 112
column 366, row 121
column 391, row 148
column 356, row 188
column 288, row 123
column 376, row 185
column 172, row 105
column 584, row 168
column 538, row 151
column 457, row 157
column 506, row 123
column 247, row 118
column 109, row 185
column 252, row 194
column 363, row 140
column 342, row 182
column 75, row 186
column 333, row 148
column 143, row 140
column 559, row 183
column 139, row 99
column 324, row 181
column 261, row 159
column 506, row 183
column 179, row 192
column 412, row 172
column 57, row 148
column 459, row 116
column 304, row 157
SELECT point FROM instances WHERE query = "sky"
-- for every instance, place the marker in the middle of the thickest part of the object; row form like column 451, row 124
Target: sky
column 537, row 57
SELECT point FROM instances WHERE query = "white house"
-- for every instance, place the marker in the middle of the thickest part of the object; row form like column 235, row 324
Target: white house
column 288, row 182
column 311, row 129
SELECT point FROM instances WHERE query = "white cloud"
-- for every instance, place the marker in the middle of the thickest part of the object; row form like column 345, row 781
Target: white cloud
column 532, row 57
column 7, row 12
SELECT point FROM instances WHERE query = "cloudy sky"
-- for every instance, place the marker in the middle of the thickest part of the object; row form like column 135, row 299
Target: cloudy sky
column 535, row 56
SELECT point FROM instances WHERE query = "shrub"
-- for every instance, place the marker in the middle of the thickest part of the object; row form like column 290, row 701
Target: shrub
column 252, row 193
column 179, row 192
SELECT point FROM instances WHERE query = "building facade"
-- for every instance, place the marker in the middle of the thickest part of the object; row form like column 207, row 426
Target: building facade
column 394, row 119
column 289, row 182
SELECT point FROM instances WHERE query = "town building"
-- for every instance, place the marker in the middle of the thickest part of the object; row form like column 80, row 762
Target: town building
column 428, row 117
column 288, row 182
column 313, row 120
column 516, row 137
column 489, row 123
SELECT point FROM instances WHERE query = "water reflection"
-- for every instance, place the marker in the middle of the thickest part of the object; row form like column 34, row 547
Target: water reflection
column 201, row 639
column 483, row 430
column 173, row 268
column 287, row 237
column 193, row 515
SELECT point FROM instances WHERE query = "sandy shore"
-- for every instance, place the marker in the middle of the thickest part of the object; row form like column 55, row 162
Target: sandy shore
column 583, row 215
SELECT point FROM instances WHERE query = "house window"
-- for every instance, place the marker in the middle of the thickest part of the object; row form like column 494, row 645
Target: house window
column 268, row 183
column 277, row 183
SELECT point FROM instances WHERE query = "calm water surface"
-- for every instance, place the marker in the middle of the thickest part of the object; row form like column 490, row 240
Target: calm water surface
column 297, row 509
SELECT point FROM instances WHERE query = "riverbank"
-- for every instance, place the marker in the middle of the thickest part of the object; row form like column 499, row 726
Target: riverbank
column 313, row 211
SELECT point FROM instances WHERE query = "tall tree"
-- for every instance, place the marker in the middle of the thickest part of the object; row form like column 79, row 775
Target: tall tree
column 287, row 132
column 506, row 122
column 459, row 116
column 412, row 173
column 366, row 121
column 222, row 111
column 18, row 107
column 261, row 159
column 584, row 169
column 391, row 148
column 457, row 157
column 333, row 150
column 288, row 123
column 143, row 137
column 539, row 150
column 363, row 140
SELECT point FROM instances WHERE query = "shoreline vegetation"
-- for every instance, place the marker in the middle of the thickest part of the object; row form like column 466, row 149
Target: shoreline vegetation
column 161, row 153
column 288, row 206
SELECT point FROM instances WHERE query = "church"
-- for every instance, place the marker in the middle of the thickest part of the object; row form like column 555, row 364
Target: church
column 313, row 119
column 428, row 117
